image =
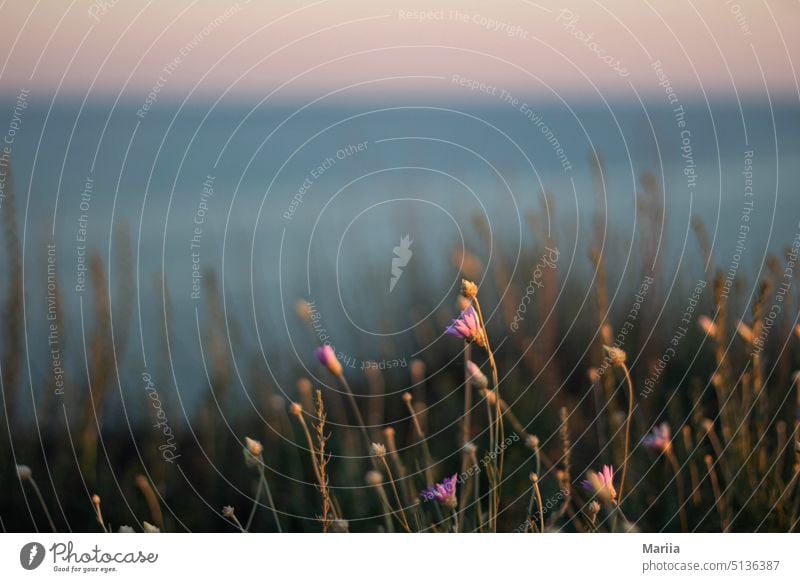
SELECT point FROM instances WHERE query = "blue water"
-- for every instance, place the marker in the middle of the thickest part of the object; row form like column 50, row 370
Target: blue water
column 422, row 171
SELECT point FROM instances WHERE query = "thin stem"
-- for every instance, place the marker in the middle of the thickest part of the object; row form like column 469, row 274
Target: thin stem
column 44, row 506
column 263, row 481
column 356, row 411
column 718, row 500
column 627, row 432
column 673, row 461
column 539, row 502
column 474, row 459
column 396, row 494
column 498, row 425
column 421, row 436
column 255, row 507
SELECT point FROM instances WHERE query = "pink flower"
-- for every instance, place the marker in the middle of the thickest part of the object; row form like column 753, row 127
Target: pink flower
column 602, row 483
column 444, row 492
column 660, row 439
column 467, row 327
column 327, row 358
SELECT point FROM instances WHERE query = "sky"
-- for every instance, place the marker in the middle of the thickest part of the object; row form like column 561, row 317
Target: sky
column 348, row 48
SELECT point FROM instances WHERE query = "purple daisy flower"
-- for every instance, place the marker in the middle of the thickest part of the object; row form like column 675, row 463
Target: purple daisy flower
column 660, row 439
column 604, row 483
column 467, row 327
column 444, row 492
column 327, row 357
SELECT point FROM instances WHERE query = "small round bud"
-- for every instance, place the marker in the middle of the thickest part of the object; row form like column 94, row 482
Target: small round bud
column 295, row 409
column 254, row 447
column 478, row 378
column 374, row 478
column 407, row 396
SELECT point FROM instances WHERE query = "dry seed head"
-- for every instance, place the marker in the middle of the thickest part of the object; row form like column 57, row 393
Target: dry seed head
column 616, row 355
column 470, row 448
column 149, row 528
column 594, row 508
column 374, row 478
column 24, row 472
column 534, row 478
column 125, row 529
column 532, row 441
column 378, row 450
column 295, row 409
column 254, row 447
column 228, row 511
column 469, row 289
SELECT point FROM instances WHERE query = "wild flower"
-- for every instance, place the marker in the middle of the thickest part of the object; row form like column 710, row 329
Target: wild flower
column 601, row 483
column 659, row 440
column 378, row 450
column 327, row 357
column 468, row 327
column 444, row 492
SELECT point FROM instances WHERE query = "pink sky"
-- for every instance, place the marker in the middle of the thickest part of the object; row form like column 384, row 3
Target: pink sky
column 518, row 46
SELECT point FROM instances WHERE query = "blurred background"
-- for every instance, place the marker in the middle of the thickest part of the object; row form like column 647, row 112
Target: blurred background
column 195, row 195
